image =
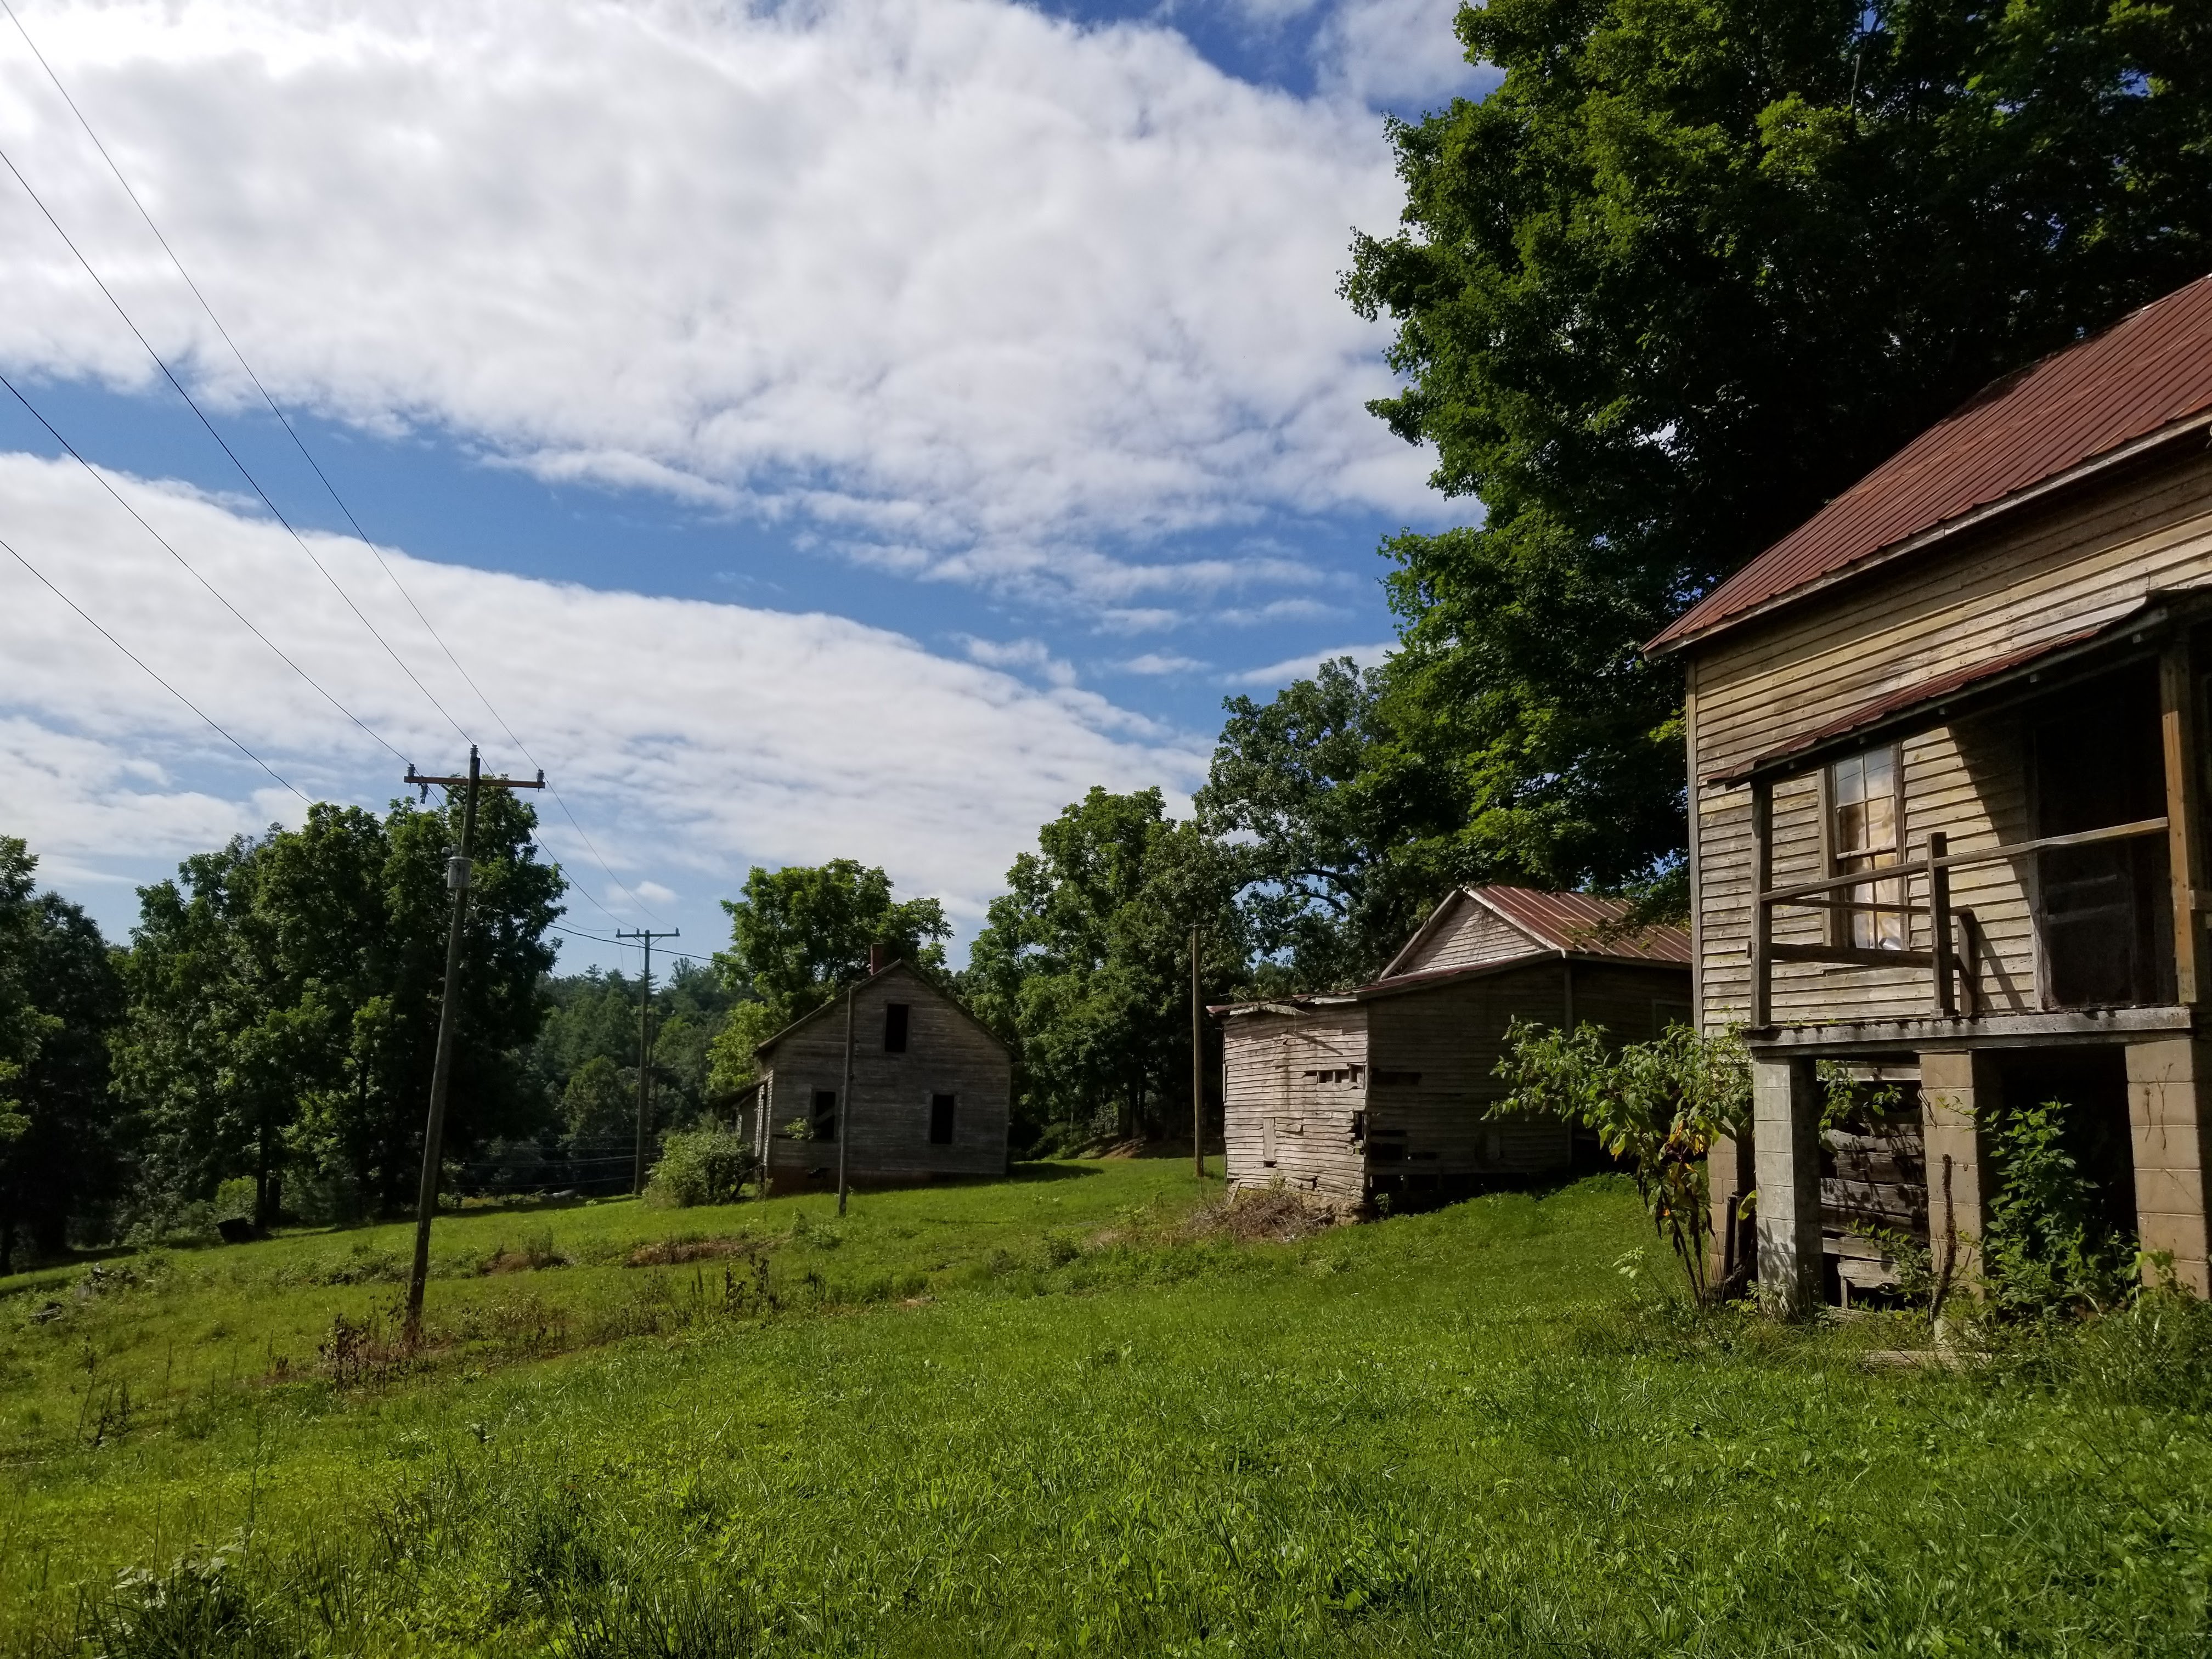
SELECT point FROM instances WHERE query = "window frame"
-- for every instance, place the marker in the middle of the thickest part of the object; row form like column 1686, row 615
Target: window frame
column 1839, row 928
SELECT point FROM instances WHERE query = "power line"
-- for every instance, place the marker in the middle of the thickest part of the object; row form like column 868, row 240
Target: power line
column 299, row 443
column 212, row 722
column 222, row 443
column 327, row 696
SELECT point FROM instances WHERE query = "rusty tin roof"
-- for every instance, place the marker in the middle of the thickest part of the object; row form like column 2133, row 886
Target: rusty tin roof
column 2075, row 411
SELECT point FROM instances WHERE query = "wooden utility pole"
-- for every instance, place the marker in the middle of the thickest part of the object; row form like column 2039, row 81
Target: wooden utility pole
column 1197, row 1066
column 644, row 1049
column 458, row 870
column 844, row 1100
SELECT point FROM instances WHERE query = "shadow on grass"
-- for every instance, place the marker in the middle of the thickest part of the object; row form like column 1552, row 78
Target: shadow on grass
column 1053, row 1170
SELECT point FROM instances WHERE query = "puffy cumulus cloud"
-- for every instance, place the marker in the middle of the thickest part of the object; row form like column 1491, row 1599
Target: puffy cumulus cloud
column 1397, row 53
column 1300, row 668
column 956, row 284
column 693, row 738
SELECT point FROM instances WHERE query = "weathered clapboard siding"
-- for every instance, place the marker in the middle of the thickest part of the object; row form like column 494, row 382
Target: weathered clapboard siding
column 887, row 1124
column 1283, row 1124
column 1469, row 932
column 2057, row 567
column 1392, row 1089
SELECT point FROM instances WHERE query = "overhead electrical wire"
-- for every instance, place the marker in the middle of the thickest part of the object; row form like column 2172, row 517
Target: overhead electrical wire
column 222, row 443
column 299, row 443
column 219, row 731
column 326, row 694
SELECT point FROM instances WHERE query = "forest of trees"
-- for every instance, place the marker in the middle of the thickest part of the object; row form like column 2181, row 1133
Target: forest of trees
column 1683, row 274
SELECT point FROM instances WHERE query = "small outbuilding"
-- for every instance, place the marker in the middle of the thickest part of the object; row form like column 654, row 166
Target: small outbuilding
column 1384, row 1089
column 932, row 1091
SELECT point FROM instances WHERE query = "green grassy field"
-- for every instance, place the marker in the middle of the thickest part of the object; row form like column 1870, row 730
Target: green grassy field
column 1042, row 1417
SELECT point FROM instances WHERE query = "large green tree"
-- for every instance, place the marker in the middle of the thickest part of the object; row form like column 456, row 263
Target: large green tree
column 1342, row 834
column 284, row 1001
column 1085, row 965
column 800, row 934
column 59, row 997
column 65, row 1164
column 1692, row 267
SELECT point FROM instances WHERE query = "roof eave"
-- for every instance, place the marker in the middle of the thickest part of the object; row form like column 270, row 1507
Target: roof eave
column 1667, row 643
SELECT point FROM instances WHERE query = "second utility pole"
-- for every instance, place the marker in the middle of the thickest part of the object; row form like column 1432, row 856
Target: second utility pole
column 644, row 1046
column 458, row 872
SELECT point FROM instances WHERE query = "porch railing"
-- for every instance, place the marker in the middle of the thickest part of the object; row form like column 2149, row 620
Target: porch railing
column 1950, row 959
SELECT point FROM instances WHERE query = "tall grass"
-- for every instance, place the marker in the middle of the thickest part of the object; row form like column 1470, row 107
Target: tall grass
column 1098, row 1429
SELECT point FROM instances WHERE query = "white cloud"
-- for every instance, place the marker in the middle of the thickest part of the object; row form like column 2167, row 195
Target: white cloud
column 1397, row 52
column 1299, row 668
column 956, row 282
column 1030, row 655
column 1160, row 662
column 693, row 738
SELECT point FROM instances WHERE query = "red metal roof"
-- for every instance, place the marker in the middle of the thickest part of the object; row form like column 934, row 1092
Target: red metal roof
column 1921, row 695
column 1579, row 922
column 2151, row 370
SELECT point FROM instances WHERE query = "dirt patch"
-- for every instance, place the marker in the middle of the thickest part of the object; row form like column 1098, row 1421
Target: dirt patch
column 668, row 1252
column 1252, row 1217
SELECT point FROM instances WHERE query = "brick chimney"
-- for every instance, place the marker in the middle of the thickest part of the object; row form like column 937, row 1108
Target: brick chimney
column 880, row 957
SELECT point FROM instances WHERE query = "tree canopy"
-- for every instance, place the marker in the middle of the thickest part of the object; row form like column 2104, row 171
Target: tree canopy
column 1691, row 269
column 1085, row 964
column 284, row 1001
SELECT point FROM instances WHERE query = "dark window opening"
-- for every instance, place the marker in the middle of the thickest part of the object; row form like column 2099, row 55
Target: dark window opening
column 895, row 1015
column 2103, row 909
column 940, row 1119
column 824, row 1116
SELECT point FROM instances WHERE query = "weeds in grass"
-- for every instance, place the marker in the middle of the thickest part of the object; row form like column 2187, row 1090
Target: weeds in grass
column 196, row 1608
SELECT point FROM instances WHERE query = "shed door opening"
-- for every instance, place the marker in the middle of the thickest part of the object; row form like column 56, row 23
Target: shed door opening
column 2102, row 911
column 824, row 1116
column 895, row 1015
column 940, row 1119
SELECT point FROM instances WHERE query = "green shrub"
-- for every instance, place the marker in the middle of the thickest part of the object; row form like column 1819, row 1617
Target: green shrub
column 2045, row 1252
column 700, row 1166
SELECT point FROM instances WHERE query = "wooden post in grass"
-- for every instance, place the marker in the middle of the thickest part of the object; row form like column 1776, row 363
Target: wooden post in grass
column 1197, row 1066
column 844, row 1100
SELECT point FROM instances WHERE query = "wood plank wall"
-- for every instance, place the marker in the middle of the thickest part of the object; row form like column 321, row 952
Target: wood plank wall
column 1427, row 1062
column 1283, row 1126
column 1470, row 932
column 2061, row 568
column 946, row 1052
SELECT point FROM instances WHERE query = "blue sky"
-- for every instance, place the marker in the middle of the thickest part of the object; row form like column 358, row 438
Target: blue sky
column 847, row 430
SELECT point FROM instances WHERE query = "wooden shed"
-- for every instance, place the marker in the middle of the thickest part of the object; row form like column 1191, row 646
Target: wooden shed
column 933, row 1090
column 1382, row 1089
column 1947, row 748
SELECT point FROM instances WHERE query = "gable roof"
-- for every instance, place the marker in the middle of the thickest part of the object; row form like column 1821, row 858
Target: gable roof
column 889, row 967
column 1575, row 924
column 2144, row 381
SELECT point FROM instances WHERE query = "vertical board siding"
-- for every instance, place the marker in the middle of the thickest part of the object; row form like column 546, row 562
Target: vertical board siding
column 1428, row 1061
column 1470, row 932
column 887, row 1123
column 2061, row 568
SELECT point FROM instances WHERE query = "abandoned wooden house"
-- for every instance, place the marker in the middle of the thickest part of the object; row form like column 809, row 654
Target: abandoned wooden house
column 932, row 1091
column 1384, row 1089
column 1947, row 742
